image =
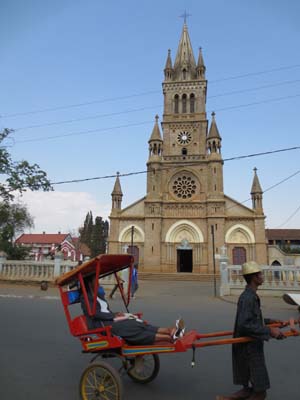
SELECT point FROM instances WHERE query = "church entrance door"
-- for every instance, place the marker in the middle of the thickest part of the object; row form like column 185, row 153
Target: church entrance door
column 184, row 260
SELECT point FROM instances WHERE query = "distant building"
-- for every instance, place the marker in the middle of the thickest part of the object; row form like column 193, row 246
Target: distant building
column 283, row 246
column 43, row 246
column 185, row 201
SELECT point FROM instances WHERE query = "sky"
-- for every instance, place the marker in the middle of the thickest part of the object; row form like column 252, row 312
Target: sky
column 80, row 84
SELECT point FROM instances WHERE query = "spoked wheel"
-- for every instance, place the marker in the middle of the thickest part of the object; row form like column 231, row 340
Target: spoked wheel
column 100, row 382
column 144, row 369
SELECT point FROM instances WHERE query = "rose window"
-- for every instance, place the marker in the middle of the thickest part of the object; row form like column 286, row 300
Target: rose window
column 184, row 187
column 184, row 137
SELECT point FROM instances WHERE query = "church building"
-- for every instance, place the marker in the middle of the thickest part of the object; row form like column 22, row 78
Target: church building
column 185, row 211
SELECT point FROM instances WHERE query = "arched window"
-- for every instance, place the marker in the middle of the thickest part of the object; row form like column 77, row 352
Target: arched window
column 176, row 104
column 184, row 151
column 184, row 74
column 239, row 255
column 184, row 103
column 192, row 103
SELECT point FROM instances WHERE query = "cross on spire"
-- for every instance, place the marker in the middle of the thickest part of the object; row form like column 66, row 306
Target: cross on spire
column 185, row 15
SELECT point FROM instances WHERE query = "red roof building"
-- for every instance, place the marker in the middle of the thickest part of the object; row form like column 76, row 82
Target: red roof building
column 43, row 245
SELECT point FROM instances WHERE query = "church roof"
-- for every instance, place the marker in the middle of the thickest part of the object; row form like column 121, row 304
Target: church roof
column 117, row 188
column 185, row 55
column 256, row 188
column 213, row 130
column 156, row 132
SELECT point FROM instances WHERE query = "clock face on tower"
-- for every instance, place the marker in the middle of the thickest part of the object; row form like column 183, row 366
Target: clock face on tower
column 184, row 137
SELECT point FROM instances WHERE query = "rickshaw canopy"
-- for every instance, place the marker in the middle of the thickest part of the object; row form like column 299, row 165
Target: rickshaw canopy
column 103, row 265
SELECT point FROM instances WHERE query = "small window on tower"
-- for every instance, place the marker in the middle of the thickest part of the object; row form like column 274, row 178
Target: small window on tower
column 192, row 103
column 176, row 104
column 184, row 74
column 184, row 103
column 184, row 151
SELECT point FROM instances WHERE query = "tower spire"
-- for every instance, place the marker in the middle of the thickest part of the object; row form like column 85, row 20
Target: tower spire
column 214, row 138
column 200, row 65
column 256, row 193
column 168, row 68
column 117, row 194
column 155, row 141
column 185, row 64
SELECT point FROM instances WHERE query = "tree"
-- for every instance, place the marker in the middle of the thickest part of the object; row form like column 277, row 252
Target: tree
column 14, row 218
column 87, row 229
column 18, row 175
column 94, row 235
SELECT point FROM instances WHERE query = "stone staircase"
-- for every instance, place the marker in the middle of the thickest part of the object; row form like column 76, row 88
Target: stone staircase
column 165, row 276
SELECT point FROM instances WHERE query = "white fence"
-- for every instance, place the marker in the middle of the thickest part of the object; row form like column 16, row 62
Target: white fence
column 39, row 271
column 277, row 279
column 34, row 271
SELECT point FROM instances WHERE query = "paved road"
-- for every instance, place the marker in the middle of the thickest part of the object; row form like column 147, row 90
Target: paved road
column 39, row 359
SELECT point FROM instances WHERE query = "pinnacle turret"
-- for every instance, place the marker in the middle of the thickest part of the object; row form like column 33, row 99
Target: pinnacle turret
column 214, row 138
column 155, row 141
column 155, row 136
column 200, row 66
column 256, row 194
column 117, row 194
column 256, row 188
column 168, row 68
column 117, row 187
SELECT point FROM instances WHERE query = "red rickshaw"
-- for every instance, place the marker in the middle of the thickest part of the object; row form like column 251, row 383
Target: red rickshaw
column 100, row 380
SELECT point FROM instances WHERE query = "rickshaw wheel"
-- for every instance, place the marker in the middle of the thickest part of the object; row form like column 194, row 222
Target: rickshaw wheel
column 147, row 371
column 100, row 382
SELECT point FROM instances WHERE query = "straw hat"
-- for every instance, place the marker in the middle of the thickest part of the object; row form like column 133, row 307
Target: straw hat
column 250, row 267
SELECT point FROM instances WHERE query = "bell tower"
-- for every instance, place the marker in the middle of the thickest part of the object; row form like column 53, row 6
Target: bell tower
column 184, row 88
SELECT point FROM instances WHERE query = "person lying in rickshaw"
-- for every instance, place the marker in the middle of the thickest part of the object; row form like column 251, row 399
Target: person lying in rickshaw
column 133, row 330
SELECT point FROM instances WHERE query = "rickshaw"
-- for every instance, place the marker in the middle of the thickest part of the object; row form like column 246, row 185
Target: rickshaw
column 100, row 380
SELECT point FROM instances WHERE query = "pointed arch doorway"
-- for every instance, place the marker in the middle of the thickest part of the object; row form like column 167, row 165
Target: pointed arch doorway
column 184, row 257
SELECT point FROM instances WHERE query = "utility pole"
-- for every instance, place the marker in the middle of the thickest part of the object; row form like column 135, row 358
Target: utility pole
column 214, row 258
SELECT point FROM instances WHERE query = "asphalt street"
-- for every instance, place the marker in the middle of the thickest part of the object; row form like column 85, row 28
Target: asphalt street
column 40, row 359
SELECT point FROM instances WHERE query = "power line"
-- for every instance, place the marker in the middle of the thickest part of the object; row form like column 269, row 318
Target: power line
column 186, row 164
column 157, row 106
column 87, row 118
column 83, row 132
column 290, row 217
column 262, row 153
column 270, row 187
column 87, row 103
column 256, row 73
column 257, row 102
column 48, row 109
column 111, row 128
column 255, row 88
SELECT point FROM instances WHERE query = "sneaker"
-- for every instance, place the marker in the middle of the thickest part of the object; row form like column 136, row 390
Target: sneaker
column 180, row 323
column 180, row 329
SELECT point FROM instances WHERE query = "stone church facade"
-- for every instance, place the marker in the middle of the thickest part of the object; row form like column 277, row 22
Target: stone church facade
column 185, row 211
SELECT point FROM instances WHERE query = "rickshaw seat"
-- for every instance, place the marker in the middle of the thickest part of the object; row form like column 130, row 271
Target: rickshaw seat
column 79, row 326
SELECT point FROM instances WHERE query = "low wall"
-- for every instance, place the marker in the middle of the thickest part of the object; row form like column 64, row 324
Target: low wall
column 277, row 280
column 33, row 271
column 41, row 271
